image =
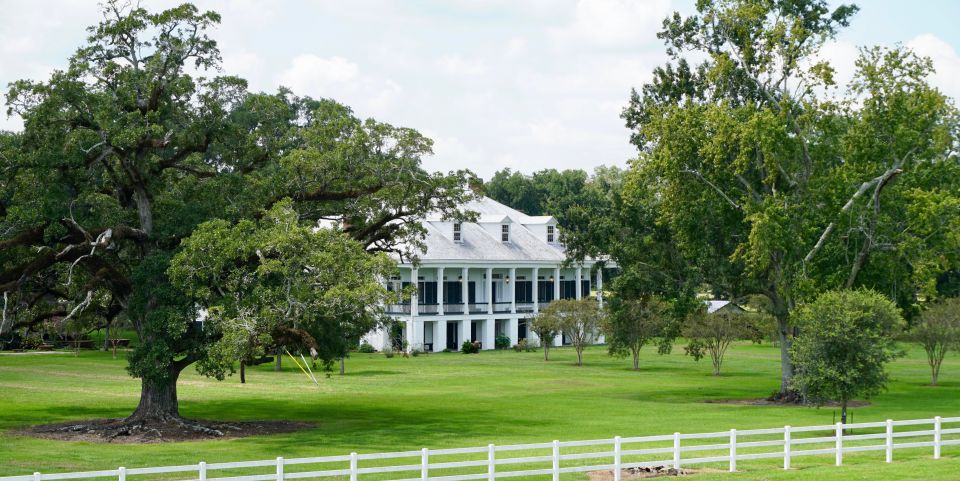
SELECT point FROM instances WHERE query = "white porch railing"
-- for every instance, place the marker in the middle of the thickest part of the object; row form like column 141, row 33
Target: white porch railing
column 555, row 458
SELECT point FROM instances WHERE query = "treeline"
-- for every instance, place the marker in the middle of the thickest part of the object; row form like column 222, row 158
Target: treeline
column 760, row 179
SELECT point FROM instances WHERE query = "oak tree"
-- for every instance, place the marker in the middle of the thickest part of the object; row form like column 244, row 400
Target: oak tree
column 131, row 151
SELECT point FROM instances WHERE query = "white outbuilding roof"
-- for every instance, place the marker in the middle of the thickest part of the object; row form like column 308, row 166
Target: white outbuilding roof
column 715, row 305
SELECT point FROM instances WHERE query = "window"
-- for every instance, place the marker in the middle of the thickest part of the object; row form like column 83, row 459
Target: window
column 550, row 234
column 505, row 232
column 457, row 236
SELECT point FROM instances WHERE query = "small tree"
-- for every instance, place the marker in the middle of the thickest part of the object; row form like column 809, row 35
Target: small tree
column 713, row 333
column 579, row 320
column 633, row 324
column 546, row 327
column 938, row 331
column 846, row 340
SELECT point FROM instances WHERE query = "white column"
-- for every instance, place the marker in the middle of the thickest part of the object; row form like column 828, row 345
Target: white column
column 439, row 291
column 532, row 336
column 464, row 331
column 512, row 330
column 385, row 338
column 556, row 283
column 600, row 286
column 513, row 290
column 489, row 292
column 579, row 281
column 440, row 336
column 465, row 291
column 489, row 333
column 408, row 333
column 414, row 302
column 536, row 291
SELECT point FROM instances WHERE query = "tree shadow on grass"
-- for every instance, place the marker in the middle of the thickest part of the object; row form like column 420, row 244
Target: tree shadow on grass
column 348, row 373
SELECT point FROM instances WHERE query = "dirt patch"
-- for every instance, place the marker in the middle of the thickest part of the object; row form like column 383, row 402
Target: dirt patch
column 770, row 402
column 114, row 431
column 646, row 472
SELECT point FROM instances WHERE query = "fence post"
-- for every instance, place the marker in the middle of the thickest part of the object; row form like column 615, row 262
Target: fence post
column 936, row 437
column 616, row 458
column 280, row 468
column 556, row 460
column 889, row 440
column 839, row 448
column 786, row 447
column 353, row 466
column 122, row 474
column 733, row 450
column 676, row 451
column 36, row 476
column 491, row 462
column 202, row 471
column 424, row 464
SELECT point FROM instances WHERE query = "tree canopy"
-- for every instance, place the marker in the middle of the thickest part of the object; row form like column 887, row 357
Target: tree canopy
column 133, row 165
column 767, row 178
column 846, row 339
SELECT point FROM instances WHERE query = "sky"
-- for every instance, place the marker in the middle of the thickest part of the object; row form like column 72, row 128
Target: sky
column 524, row 84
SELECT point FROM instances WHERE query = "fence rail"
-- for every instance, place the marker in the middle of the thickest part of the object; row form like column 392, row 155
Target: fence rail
column 553, row 459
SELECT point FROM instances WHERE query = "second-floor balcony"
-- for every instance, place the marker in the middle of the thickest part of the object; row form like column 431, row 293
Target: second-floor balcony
column 458, row 308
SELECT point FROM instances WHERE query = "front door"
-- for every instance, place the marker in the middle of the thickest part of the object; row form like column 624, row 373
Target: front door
column 452, row 331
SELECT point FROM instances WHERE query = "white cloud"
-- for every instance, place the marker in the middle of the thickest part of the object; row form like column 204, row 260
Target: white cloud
column 457, row 65
column 945, row 60
column 842, row 56
column 450, row 153
column 516, row 47
column 243, row 63
column 309, row 73
column 613, row 23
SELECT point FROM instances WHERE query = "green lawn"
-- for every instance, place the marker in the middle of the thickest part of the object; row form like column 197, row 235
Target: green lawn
column 453, row 400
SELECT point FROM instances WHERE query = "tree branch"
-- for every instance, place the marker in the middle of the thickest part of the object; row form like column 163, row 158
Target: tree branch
column 717, row 189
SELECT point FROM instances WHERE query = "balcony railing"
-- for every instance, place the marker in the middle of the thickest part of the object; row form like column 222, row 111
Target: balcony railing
column 397, row 308
column 502, row 306
column 453, row 308
column 457, row 308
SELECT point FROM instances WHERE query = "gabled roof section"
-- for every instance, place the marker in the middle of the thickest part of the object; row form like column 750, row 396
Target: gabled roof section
column 715, row 305
column 540, row 219
column 479, row 244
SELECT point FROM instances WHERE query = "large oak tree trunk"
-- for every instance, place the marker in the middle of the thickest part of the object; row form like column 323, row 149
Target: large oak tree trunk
column 782, row 314
column 786, row 364
column 158, row 400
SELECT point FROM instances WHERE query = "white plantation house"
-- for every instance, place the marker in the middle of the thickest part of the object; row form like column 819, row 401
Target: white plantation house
column 480, row 280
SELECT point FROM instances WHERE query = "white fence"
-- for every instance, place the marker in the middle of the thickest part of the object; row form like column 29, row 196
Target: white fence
column 553, row 459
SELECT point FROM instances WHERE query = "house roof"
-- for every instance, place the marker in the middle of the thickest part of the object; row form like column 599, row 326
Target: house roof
column 480, row 244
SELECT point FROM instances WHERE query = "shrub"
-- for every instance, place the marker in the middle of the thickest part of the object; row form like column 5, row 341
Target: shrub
column 525, row 346
column 366, row 348
column 469, row 347
column 32, row 341
column 416, row 352
column 501, row 342
column 388, row 351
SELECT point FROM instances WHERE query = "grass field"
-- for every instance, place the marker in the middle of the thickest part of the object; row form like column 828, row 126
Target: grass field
column 453, row 400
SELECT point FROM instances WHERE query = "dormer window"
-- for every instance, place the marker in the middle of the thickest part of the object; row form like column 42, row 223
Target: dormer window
column 551, row 234
column 457, row 233
column 505, row 232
